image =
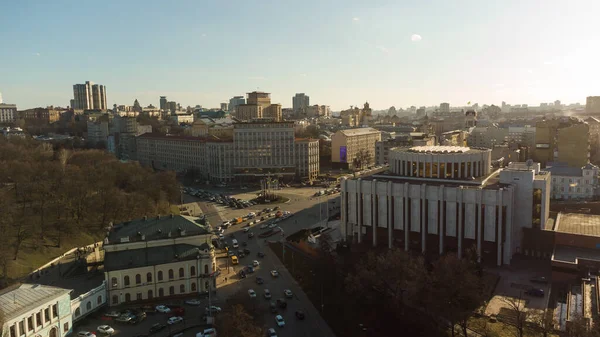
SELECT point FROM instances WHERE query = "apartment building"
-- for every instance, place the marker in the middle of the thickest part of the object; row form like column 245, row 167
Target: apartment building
column 354, row 146
column 564, row 140
column 300, row 102
column 307, row 158
column 35, row 310
column 523, row 135
column 97, row 132
column 580, row 183
column 8, row 113
column 247, row 112
column 89, row 96
column 157, row 257
column 43, row 115
column 273, row 112
column 216, row 127
column 220, row 161
column 264, row 148
column 169, row 152
column 487, row 137
column 592, row 105
column 439, row 199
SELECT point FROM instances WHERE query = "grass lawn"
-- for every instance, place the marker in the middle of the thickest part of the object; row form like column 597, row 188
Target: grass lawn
column 33, row 256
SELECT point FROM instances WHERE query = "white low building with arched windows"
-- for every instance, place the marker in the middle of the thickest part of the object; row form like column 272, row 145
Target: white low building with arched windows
column 158, row 257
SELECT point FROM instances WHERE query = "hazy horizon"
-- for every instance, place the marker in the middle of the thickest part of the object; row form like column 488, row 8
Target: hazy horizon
column 340, row 53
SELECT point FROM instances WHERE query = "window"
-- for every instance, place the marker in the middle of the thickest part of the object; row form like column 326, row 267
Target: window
column 171, row 274
column 149, row 294
column 171, row 290
column 193, row 286
column 205, row 269
column 149, row 277
column 127, row 297
column 77, row 312
column 22, row 327
column 160, row 275
column 54, row 310
column 30, row 323
column 88, row 306
column 13, row 332
column 126, row 281
column 161, row 292
column 99, row 301
column 47, row 314
column 115, row 299
column 182, row 289
column 114, row 282
column 38, row 318
column 66, row 327
column 193, row 271
column 138, row 296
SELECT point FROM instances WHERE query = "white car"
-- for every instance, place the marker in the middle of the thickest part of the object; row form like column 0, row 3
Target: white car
column 251, row 215
column 174, row 320
column 267, row 293
column 255, row 263
column 288, row 293
column 213, row 308
column 221, row 237
column 85, row 334
column 193, row 302
column 271, row 333
column 246, row 229
column 106, row 329
column 279, row 320
column 252, row 293
column 163, row 308
column 263, row 226
column 274, row 273
column 210, row 332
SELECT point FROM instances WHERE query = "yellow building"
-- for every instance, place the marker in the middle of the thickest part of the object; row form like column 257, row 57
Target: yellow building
column 158, row 257
column 354, row 148
column 564, row 140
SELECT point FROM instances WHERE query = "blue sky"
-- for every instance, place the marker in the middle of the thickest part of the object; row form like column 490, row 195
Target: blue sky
column 340, row 53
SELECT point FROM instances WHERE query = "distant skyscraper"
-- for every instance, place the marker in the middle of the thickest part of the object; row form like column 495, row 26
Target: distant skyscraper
column 163, row 103
column 224, row 106
column 557, row 103
column 172, row 106
column 89, row 96
column 235, row 101
column 445, row 107
column 300, row 102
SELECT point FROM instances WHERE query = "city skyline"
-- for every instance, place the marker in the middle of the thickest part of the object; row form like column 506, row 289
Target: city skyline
column 386, row 53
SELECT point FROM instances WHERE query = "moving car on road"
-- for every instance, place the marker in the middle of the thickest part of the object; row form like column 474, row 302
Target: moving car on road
column 174, row 320
column 85, row 334
column 157, row 327
column 274, row 273
column 288, row 293
column 163, row 308
column 213, row 308
column 259, row 280
column 193, row 302
column 267, row 293
column 300, row 315
column 279, row 320
column 271, row 333
column 252, row 293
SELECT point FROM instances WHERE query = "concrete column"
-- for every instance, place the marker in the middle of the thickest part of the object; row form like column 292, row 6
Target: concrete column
column 438, row 167
column 360, row 215
column 460, row 171
column 374, row 210
column 423, row 196
column 499, row 236
column 344, row 209
column 390, row 207
column 441, row 218
column 508, row 249
column 460, row 221
column 479, row 227
column 406, row 203
column 452, row 169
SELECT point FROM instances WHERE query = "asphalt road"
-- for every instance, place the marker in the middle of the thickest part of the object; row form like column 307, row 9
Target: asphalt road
column 306, row 213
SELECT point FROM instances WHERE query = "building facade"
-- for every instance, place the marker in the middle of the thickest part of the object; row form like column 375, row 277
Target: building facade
column 36, row 310
column 300, row 102
column 154, row 258
column 307, row 158
column 97, row 132
column 346, row 145
column 43, row 115
column 174, row 153
column 8, row 113
column 592, row 105
column 429, row 203
column 382, row 148
column 234, row 102
column 89, row 96
column 487, row 137
column 564, row 140
column 573, row 182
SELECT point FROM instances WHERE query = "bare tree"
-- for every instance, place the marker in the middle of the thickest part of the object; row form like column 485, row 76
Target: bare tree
column 545, row 322
column 239, row 323
column 517, row 315
column 363, row 158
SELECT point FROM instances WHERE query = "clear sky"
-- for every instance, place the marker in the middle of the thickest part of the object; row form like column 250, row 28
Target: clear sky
column 340, row 53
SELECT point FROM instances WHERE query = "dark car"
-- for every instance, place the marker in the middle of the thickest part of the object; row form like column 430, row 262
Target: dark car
column 157, row 327
column 276, row 208
column 300, row 315
column 273, row 307
column 242, row 274
column 281, row 303
column 176, row 310
column 250, row 235
column 539, row 279
column 260, row 254
column 259, row 280
column 244, row 244
column 246, row 251
column 535, row 292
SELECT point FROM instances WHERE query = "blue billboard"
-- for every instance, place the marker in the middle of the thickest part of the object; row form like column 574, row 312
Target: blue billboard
column 343, row 155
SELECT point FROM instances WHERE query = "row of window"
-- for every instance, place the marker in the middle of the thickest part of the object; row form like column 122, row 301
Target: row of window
column 21, row 328
column 161, row 293
column 571, row 189
column 138, row 278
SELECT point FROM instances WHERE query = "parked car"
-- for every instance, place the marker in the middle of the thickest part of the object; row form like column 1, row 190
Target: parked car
column 539, row 279
column 125, row 318
column 279, row 320
column 193, row 302
column 163, row 309
column 113, row 314
column 106, row 329
column 213, row 308
column 174, row 320
column 85, row 334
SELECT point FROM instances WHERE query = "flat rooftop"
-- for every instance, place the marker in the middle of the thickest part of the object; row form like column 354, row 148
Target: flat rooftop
column 577, row 223
column 490, row 181
column 440, row 149
column 156, row 228
column 572, row 255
